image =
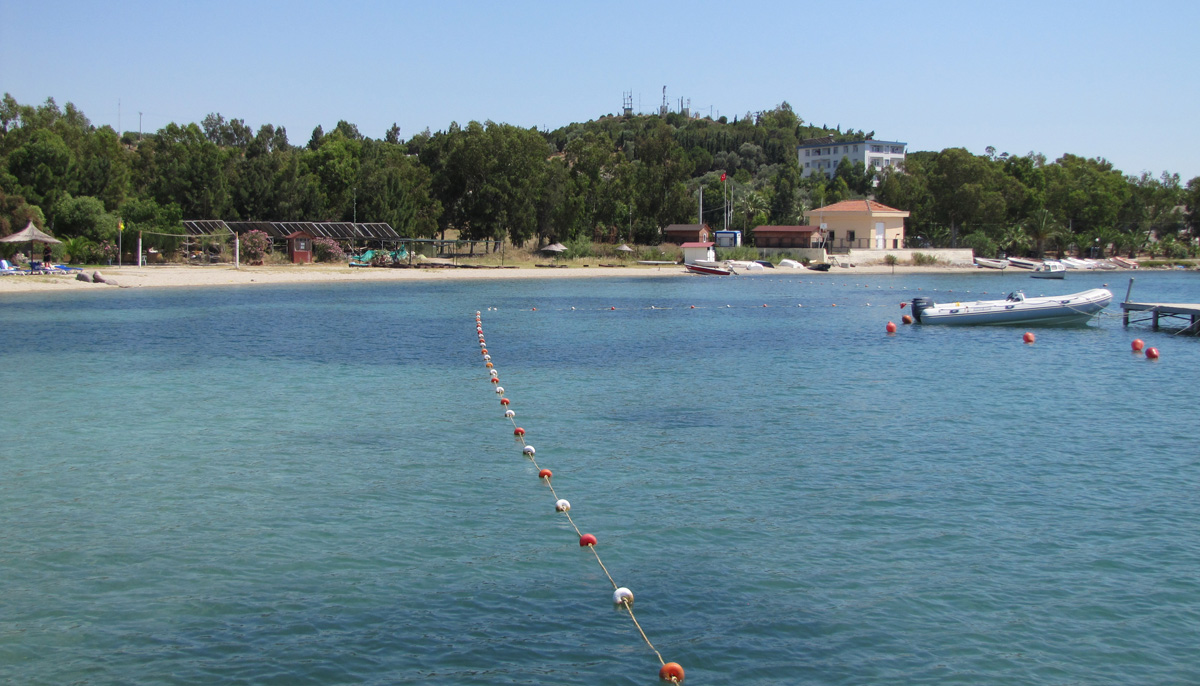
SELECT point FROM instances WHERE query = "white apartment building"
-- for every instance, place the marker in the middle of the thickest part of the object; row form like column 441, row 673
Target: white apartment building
column 823, row 155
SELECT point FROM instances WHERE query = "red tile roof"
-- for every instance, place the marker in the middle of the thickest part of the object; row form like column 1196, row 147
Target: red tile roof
column 697, row 245
column 855, row 206
column 786, row 229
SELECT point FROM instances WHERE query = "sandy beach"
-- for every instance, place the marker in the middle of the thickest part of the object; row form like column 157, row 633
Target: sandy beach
column 185, row 276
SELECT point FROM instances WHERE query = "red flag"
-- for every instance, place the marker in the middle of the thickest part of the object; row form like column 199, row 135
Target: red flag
column 722, row 176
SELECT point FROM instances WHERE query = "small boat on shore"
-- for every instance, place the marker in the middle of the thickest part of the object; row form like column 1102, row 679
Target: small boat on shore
column 790, row 264
column 1076, row 308
column 820, row 266
column 991, row 264
column 1074, row 263
column 1123, row 262
column 708, row 271
column 1024, row 263
column 1050, row 269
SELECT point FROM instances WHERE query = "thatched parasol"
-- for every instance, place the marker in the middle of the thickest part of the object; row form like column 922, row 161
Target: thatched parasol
column 32, row 234
column 555, row 247
column 624, row 248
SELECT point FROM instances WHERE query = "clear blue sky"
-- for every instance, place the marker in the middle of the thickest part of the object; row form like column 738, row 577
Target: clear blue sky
column 1098, row 79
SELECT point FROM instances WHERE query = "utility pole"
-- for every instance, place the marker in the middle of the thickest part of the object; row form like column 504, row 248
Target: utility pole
column 356, row 204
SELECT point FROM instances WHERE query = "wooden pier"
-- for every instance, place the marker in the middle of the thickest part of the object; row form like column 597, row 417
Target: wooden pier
column 1159, row 310
column 1169, row 310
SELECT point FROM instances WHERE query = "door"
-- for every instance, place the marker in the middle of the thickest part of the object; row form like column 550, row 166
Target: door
column 879, row 235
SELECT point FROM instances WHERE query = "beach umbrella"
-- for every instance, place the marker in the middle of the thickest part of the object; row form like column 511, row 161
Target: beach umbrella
column 625, row 248
column 555, row 247
column 32, row 234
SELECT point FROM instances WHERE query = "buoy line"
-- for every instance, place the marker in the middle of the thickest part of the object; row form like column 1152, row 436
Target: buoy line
column 622, row 597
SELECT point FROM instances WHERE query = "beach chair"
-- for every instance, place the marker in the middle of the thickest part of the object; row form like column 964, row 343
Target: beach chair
column 6, row 267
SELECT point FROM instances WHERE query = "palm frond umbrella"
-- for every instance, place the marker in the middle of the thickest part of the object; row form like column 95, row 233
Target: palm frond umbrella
column 625, row 249
column 555, row 247
column 32, row 234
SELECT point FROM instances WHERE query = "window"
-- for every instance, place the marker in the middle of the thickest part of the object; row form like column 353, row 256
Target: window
column 856, row 148
column 876, row 161
column 896, row 149
column 845, row 149
column 806, row 164
column 850, row 236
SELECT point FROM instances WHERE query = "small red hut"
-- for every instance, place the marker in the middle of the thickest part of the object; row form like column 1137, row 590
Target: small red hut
column 300, row 247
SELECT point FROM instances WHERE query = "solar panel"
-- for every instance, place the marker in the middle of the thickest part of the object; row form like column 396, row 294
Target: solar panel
column 205, row 227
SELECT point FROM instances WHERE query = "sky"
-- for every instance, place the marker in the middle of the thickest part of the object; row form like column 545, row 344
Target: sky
column 1116, row 80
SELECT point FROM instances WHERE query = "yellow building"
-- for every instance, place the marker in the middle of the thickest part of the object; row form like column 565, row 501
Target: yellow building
column 860, row 225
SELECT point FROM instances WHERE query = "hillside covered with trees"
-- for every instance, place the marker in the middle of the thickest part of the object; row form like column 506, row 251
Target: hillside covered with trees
column 612, row 179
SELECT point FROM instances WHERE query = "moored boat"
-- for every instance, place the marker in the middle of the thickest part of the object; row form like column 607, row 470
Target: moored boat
column 990, row 263
column 1050, row 269
column 1076, row 308
column 1075, row 263
column 820, row 266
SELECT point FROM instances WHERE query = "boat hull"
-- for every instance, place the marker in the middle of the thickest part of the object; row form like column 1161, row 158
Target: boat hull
column 1062, row 310
column 707, row 271
column 991, row 264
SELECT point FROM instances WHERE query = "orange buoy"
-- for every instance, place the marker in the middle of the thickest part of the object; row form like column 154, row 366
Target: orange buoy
column 495, row 379
column 764, row 304
column 1138, row 344
column 518, row 431
column 484, row 351
column 490, row 365
column 586, row 540
column 671, row 672
column 693, row 307
column 1151, row 353
column 504, row 401
column 907, row 319
column 1029, row 337
column 545, row 474
column 612, row 308
column 891, row 327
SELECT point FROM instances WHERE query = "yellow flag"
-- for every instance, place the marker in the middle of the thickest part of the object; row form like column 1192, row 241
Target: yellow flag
column 120, row 225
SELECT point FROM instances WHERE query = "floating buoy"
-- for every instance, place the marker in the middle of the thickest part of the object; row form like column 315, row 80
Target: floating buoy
column 622, row 596
column 493, row 372
column 1029, row 337
column 586, row 540
column 486, row 356
column 509, row 414
column 833, row 305
column 495, row 379
column 671, row 672
column 1138, row 344
column 518, row 431
column 693, row 307
column 545, row 474
column 535, row 309
column 903, row 305
column 490, row 365
column 528, row 450
column 764, row 304
column 612, row 308
column 503, row 401
column 1151, row 353
column 907, row 319
column 500, row 390
column 562, row 506
column 891, row 327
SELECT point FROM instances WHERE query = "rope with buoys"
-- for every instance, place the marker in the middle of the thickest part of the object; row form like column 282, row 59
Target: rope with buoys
column 622, row 597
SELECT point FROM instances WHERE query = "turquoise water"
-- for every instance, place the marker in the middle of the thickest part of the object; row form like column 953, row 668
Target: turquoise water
column 316, row 485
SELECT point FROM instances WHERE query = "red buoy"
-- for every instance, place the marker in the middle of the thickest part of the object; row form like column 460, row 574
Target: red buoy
column 903, row 305
column 1151, row 353
column 693, row 307
column 671, row 672
column 586, row 540
column 612, row 308
column 891, row 327
column 1029, row 337
column 1138, row 344
column 518, row 431
column 907, row 319
column 483, row 350
column 535, row 309
column 504, row 401
column 545, row 474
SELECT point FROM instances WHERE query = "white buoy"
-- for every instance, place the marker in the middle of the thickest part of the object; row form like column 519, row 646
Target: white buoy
column 510, row 414
column 562, row 506
column 494, row 372
column 499, row 390
column 528, row 450
column 487, row 358
column 622, row 595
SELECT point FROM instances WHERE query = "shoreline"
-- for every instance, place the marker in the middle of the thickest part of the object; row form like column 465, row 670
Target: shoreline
column 191, row 276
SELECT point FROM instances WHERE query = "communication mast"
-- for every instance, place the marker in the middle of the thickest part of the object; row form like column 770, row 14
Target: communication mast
column 627, row 103
column 664, row 107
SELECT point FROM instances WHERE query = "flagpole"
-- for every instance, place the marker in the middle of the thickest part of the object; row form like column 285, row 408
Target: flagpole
column 120, row 234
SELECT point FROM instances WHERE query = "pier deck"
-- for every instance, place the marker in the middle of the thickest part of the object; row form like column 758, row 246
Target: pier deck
column 1169, row 310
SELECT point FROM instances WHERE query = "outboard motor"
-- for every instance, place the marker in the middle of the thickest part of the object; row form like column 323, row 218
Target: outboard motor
column 919, row 305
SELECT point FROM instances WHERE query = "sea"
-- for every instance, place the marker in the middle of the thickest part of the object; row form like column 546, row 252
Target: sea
column 316, row 484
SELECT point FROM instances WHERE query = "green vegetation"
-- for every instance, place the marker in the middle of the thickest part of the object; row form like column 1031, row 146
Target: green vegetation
column 586, row 185
column 920, row 259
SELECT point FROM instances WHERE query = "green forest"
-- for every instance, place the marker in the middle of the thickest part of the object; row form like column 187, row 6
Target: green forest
column 614, row 179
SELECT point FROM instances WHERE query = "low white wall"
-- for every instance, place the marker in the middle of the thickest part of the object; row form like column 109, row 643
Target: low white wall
column 813, row 254
column 953, row 257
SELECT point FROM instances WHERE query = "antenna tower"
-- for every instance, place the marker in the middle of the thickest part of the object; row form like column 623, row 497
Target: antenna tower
column 627, row 103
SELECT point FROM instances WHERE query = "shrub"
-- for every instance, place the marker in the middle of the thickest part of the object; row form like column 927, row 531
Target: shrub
column 328, row 250
column 920, row 259
column 254, row 245
column 79, row 250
